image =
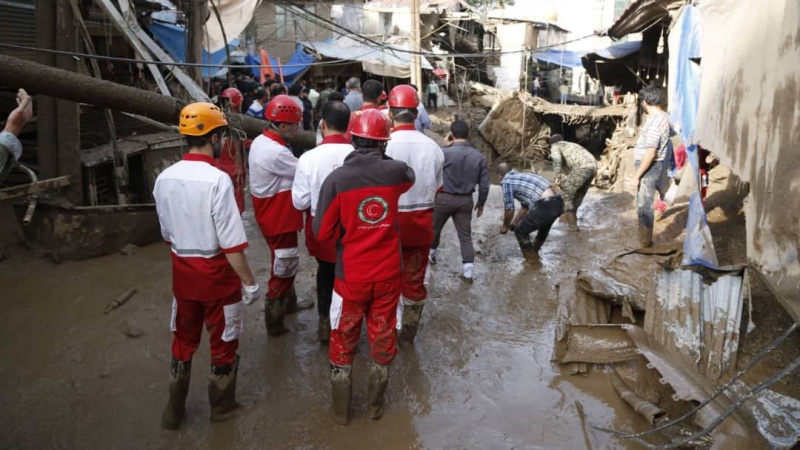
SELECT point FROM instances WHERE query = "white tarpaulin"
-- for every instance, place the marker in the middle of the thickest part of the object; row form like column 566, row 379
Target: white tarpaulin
column 235, row 15
column 387, row 61
column 749, row 116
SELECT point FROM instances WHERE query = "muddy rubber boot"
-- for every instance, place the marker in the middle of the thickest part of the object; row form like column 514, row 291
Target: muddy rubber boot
column 175, row 411
column 342, row 391
column 412, row 314
column 645, row 236
column 324, row 330
column 570, row 220
column 531, row 255
column 222, row 391
column 378, row 379
column 292, row 305
column 273, row 316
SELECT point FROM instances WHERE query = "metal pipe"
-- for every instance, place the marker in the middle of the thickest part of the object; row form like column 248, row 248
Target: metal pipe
column 34, row 200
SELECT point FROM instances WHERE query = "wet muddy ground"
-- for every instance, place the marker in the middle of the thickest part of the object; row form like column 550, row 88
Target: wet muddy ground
column 479, row 375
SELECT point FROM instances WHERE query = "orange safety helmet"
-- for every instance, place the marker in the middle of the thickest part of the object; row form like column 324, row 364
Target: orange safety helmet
column 403, row 96
column 199, row 119
column 371, row 124
column 283, row 108
column 235, row 96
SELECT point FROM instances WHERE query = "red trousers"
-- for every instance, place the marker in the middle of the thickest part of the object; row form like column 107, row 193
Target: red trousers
column 223, row 319
column 285, row 259
column 415, row 262
column 379, row 303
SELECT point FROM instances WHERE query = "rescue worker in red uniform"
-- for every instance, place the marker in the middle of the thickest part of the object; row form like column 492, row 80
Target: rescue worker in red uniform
column 272, row 170
column 358, row 201
column 199, row 221
column 312, row 169
column 423, row 155
column 232, row 158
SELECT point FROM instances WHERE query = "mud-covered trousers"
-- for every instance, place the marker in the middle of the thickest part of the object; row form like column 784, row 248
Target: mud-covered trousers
column 646, row 195
column 223, row 319
column 352, row 302
column 459, row 207
column 415, row 263
column 285, row 259
column 540, row 218
column 576, row 185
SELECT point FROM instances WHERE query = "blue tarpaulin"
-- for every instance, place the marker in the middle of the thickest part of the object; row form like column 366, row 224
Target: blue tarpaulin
column 684, row 97
column 297, row 64
column 172, row 39
column 559, row 57
column 620, row 50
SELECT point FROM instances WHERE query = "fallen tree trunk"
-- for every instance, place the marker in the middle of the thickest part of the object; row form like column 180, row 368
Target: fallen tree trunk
column 45, row 80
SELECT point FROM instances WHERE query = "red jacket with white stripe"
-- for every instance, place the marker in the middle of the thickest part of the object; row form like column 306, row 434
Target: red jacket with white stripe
column 272, row 169
column 423, row 155
column 359, row 200
column 199, row 219
column 312, row 169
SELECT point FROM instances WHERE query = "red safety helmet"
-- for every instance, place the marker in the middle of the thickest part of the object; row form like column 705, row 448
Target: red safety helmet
column 403, row 96
column 371, row 124
column 283, row 109
column 236, row 97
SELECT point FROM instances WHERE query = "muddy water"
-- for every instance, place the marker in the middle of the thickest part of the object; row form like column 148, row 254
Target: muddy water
column 478, row 377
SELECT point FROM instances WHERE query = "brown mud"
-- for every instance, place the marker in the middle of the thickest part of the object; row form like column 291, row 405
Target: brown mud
column 479, row 375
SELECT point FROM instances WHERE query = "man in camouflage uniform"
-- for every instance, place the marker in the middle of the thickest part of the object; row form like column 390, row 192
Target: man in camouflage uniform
column 582, row 169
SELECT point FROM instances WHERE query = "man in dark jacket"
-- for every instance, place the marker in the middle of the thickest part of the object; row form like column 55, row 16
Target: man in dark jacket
column 359, row 200
column 464, row 168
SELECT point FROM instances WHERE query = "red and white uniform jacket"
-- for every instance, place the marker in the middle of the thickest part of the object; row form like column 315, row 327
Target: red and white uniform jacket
column 272, row 169
column 359, row 201
column 312, row 169
column 200, row 221
column 423, row 155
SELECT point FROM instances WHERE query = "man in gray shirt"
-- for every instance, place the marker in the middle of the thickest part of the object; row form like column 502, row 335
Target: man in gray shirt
column 464, row 167
column 353, row 99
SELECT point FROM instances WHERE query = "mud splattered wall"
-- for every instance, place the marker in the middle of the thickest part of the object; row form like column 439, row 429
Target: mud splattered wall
column 749, row 115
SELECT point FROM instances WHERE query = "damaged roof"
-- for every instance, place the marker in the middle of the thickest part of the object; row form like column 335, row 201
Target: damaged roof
column 640, row 15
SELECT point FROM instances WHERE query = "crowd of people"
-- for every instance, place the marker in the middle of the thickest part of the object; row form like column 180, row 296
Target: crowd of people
column 371, row 199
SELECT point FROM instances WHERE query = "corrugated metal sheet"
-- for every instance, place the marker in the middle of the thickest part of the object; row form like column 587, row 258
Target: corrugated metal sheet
column 697, row 320
column 19, row 27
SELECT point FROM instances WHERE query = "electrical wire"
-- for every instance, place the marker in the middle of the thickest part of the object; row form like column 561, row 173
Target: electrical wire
column 722, row 388
column 727, row 413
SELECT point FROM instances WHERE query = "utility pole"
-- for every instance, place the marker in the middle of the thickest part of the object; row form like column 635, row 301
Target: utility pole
column 416, row 62
column 196, row 12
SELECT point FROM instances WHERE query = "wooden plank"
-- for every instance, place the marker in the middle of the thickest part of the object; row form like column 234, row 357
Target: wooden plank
column 116, row 17
column 34, row 188
column 195, row 91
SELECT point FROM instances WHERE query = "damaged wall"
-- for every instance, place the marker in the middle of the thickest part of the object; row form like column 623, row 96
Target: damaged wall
column 749, row 116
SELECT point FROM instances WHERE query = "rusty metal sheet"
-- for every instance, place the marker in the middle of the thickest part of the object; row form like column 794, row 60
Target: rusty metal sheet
column 697, row 320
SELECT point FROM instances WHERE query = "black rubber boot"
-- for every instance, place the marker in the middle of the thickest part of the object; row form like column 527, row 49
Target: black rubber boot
column 645, row 235
column 324, row 329
column 412, row 314
column 342, row 391
column 222, row 391
column 293, row 305
column 274, row 311
column 378, row 379
column 175, row 411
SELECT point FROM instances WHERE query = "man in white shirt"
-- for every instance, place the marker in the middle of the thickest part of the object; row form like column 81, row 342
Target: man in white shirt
column 423, row 155
column 199, row 219
column 272, row 169
column 312, row 169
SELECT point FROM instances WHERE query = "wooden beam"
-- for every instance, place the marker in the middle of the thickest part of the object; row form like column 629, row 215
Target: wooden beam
column 116, row 17
column 34, row 188
column 46, row 123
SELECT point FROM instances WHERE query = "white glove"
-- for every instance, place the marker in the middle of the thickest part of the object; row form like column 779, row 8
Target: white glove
column 250, row 293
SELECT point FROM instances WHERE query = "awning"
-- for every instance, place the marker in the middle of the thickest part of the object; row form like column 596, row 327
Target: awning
column 172, row 39
column 390, row 61
column 561, row 58
column 641, row 14
column 612, row 65
column 296, row 66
